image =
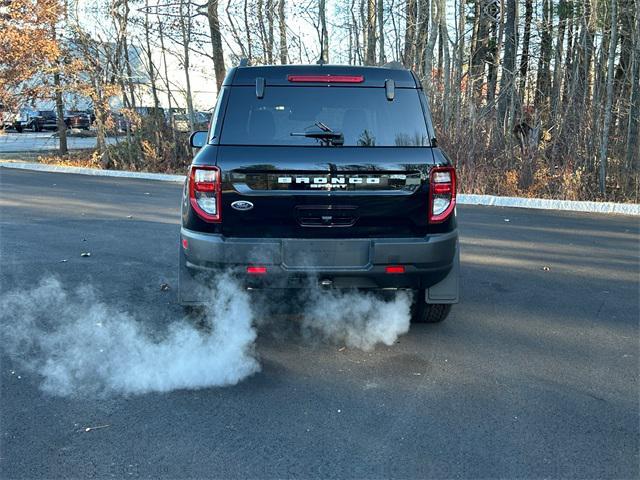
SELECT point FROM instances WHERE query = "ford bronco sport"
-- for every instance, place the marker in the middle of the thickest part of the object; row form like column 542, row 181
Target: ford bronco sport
column 330, row 173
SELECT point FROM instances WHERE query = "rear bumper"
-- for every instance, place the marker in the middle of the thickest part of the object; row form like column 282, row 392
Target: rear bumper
column 302, row 263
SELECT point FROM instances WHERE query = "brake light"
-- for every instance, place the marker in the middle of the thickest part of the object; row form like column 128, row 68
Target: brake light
column 256, row 270
column 442, row 193
column 394, row 269
column 205, row 192
column 326, row 78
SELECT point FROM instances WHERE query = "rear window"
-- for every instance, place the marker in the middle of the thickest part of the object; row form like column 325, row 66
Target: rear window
column 363, row 115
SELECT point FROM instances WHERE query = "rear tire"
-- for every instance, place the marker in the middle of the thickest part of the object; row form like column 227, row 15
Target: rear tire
column 422, row 312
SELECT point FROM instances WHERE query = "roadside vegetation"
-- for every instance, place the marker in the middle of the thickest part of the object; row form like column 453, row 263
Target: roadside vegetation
column 537, row 99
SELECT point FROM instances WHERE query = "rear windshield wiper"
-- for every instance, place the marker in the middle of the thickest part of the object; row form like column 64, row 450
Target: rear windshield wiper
column 325, row 135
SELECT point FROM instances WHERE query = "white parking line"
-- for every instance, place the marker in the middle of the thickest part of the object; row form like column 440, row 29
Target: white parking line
column 463, row 199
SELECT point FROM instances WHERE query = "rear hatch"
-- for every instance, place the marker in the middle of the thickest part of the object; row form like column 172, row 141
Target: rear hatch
column 283, row 178
column 328, row 194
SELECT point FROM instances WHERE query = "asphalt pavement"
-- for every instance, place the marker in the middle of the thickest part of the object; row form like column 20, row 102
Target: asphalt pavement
column 534, row 375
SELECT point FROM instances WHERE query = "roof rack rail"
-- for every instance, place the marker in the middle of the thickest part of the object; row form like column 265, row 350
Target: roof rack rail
column 244, row 62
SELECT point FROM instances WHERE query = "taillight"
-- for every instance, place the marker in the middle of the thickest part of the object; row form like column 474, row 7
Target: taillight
column 442, row 193
column 205, row 192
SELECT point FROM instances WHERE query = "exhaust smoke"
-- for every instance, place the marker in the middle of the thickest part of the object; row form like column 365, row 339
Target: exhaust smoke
column 82, row 347
column 355, row 318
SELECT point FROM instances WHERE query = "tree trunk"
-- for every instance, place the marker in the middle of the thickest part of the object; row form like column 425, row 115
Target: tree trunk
column 508, row 64
column 371, row 32
column 62, row 127
column 524, row 58
column 459, row 61
column 270, row 31
column 557, row 63
column 479, row 50
column 622, row 86
column 493, row 60
column 632, row 154
column 282, row 24
column 216, row 43
column 381, row 58
column 57, row 84
column 411, row 13
column 446, row 72
column 169, row 101
column 152, row 79
column 185, row 27
column 543, row 81
column 324, row 36
column 604, row 145
column 247, row 29
column 431, row 43
column 422, row 35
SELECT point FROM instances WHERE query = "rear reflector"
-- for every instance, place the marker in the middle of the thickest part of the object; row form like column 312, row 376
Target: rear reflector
column 394, row 269
column 185, row 243
column 326, row 78
column 256, row 270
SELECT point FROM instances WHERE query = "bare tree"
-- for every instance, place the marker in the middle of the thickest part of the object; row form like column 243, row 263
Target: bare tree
column 508, row 64
column 185, row 31
column 216, row 42
column 381, row 58
column 282, row 24
column 604, row 145
column 411, row 14
column 371, row 32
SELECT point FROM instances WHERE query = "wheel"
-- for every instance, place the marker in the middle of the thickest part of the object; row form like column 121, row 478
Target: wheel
column 422, row 312
column 19, row 128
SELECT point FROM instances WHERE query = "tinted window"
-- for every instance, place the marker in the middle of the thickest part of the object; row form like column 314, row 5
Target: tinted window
column 363, row 115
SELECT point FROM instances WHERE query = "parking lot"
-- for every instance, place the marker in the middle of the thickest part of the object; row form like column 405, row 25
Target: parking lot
column 534, row 375
column 47, row 141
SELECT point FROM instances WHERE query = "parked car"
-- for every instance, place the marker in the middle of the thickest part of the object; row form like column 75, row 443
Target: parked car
column 201, row 121
column 297, row 184
column 77, row 119
column 42, row 120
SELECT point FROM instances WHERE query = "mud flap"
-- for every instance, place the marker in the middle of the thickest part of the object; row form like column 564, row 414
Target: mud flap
column 191, row 288
column 446, row 291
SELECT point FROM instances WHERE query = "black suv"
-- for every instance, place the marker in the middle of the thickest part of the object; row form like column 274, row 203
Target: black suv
column 329, row 174
column 43, row 120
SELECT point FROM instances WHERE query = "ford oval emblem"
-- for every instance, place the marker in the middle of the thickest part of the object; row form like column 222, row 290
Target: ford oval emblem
column 242, row 205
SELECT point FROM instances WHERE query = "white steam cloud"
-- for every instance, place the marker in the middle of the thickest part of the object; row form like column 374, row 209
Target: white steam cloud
column 357, row 319
column 82, row 347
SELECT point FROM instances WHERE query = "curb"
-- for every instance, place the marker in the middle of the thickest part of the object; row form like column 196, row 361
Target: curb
column 547, row 204
column 164, row 177
column 463, row 199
